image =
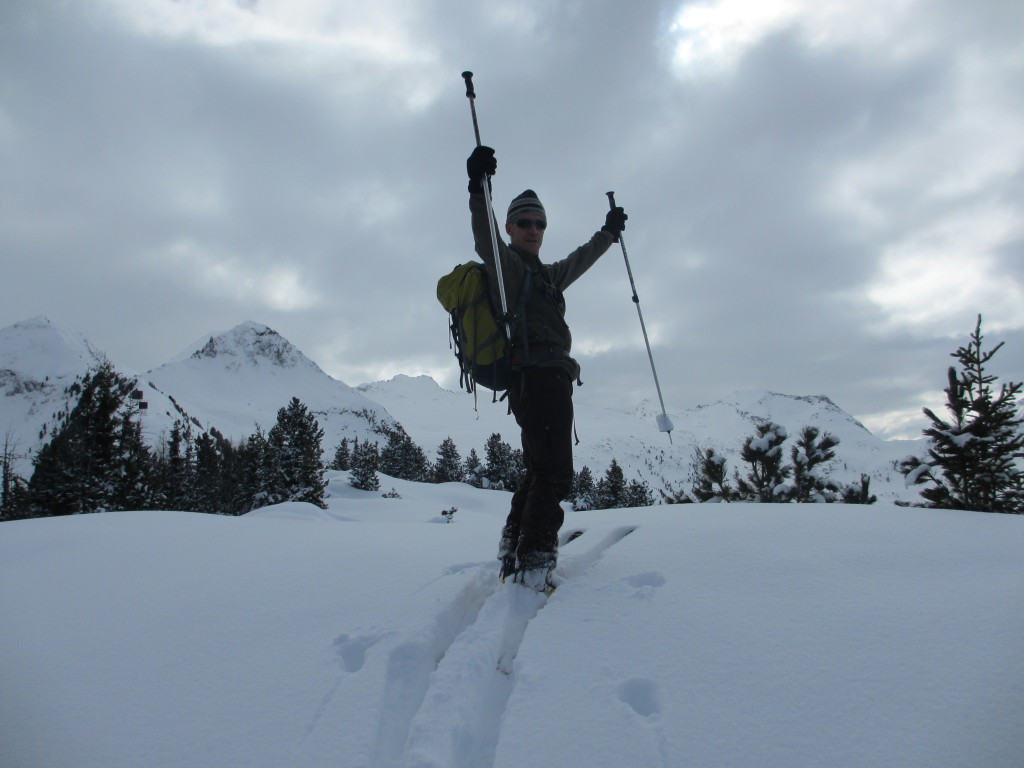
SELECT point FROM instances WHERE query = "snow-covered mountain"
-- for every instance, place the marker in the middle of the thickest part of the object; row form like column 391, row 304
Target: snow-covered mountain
column 430, row 413
column 230, row 382
column 236, row 380
column 38, row 361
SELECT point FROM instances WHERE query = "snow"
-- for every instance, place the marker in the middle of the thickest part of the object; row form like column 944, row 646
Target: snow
column 370, row 635
column 374, row 633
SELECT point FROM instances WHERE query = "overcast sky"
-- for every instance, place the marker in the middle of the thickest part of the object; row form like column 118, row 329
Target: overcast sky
column 822, row 195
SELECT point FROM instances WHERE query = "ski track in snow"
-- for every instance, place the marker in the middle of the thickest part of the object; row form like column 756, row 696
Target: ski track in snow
column 412, row 662
column 447, row 686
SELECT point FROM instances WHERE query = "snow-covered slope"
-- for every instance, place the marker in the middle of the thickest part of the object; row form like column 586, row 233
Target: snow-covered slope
column 369, row 634
column 38, row 361
column 237, row 380
column 430, row 413
column 230, row 382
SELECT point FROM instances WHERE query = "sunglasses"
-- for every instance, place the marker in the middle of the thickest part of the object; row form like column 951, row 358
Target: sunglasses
column 527, row 223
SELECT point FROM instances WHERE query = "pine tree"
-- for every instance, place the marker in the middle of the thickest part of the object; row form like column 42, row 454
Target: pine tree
column 363, row 472
column 516, row 470
column 472, row 469
column 859, row 494
column 637, row 494
column 765, row 480
column 13, row 488
column 177, row 469
column 402, row 458
column 95, row 460
column 583, row 490
column 208, row 475
column 974, row 455
column 133, row 484
column 341, row 456
column 260, row 477
column 297, row 440
column 611, row 489
column 500, row 470
column 710, row 476
column 448, row 467
column 809, row 455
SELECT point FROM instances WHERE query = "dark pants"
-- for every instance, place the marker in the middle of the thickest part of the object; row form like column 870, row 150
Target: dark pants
column 541, row 401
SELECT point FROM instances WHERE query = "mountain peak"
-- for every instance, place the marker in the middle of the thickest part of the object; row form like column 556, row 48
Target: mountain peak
column 38, row 349
column 253, row 343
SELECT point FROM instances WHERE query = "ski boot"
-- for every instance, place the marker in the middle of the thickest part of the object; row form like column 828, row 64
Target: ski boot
column 536, row 571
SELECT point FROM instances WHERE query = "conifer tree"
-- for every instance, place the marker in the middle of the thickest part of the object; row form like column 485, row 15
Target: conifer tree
column 95, row 460
column 710, row 475
column 637, row 494
column 363, row 472
column 402, row 458
column 765, row 480
column 500, row 469
column 177, row 469
column 859, row 494
column 297, row 440
column 134, row 483
column 13, row 488
column 260, row 477
column 472, row 469
column 207, row 477
column 583, row 495
column 448, row 467
column 611, row 489
column 809, row 455
column 974, row 456
column 341, row 456
column 516, row 469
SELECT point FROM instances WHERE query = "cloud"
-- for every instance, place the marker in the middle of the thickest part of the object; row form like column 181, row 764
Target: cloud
column 821, row 195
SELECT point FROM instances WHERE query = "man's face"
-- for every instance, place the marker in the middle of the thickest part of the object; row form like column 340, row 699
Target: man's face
column 526, row 233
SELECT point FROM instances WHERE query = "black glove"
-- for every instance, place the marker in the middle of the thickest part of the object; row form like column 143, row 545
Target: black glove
column 481, row 163
column 615, row 222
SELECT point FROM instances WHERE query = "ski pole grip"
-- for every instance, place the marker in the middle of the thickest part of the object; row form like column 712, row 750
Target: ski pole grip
column 468, row 77
column 611, row 199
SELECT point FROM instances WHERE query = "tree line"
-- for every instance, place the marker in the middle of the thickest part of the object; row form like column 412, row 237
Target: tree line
column 767, row 477
column 501, row 468
column 97, row 460
column 974, row 457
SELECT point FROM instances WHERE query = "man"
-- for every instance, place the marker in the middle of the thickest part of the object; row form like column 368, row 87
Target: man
column 540, row 389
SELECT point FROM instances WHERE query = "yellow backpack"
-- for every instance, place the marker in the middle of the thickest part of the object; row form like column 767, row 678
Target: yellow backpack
column 477, row 334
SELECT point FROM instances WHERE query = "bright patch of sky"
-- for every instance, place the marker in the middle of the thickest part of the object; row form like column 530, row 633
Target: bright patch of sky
column 265, row 282
column 713, row 36
column 310, row 38
column 940, row 275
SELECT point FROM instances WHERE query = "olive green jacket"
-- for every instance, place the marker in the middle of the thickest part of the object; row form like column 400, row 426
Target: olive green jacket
column 548, row 340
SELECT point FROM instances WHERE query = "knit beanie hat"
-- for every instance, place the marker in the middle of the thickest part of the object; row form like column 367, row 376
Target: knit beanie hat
column 526, row 204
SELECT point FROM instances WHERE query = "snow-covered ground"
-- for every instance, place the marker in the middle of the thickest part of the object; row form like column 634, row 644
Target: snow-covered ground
column 374, row 634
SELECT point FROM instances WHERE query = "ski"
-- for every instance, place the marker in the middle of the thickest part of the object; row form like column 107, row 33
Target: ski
column 571, row 567
column 574, row 565
column 570, row 534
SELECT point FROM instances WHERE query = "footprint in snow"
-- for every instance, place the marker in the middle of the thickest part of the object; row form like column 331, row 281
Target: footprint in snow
column 352, row 649
column 641, row 695
column 646, row 583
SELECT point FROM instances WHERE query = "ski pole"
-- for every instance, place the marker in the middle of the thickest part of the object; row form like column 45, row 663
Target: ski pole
column 486, row 185
column 664, row 422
